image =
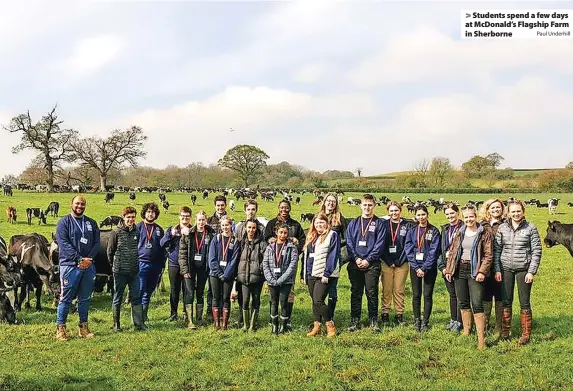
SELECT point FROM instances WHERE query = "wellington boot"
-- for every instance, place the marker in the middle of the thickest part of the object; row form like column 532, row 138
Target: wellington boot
column 61, row 333
column 315, row 329
column 283, row 326
column 480, row 322
column 215, row 313
column 145, row 308
column 116, row 318
column 526, row 324
column 467, row 321
column 199, row 313
column 189, row 311
column 84, row 331
column 330, row 330
column 275, row 324
column 505, row 324
column 254, row 320
column 246, row 319
column 226, row 313
column 487, row 307
column 137, row 317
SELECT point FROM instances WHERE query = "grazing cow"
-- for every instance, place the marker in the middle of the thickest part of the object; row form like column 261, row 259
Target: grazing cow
column 10, row 275
column 353, row 201
column 53, row 209
column 297, row 200
column 132, row 196
column 7, row 190
column 193, row 199
column 35, row 212
column 165, row 205
column 112, row 221
column 542, row 205
column 205, row 194
column 407, row 199
column 109, row 197
column 306, row 217
column 7, row 313
column 232, row 205
column 552, row 204
column 162, row 197
column 559, row 233
column 11, row 213
column 570, row 204
column 317, row 201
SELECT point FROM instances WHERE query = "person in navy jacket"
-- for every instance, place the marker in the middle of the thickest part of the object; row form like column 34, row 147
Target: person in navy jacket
column 423, row 251
column 223, row 260
column 364, row 241
column 151, row 253
column 78, row 238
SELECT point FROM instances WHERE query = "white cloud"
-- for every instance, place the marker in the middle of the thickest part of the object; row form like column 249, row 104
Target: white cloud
column 91, row 54
column 313, row 73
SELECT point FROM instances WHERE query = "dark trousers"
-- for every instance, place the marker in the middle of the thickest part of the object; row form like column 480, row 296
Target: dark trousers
column 455, row 313
column 279, row 294
column 360, row 281
column 251, row 291
column 425, row 286
column 221, row 291
column 195, row 287
column 121, row 281
column 469, row 291
column 148, row 278
column 509, row 277
column 209, row 293
column 239, row 288
column 177, row 285
column 318, row 292
column 332, row 297
column 492, row 288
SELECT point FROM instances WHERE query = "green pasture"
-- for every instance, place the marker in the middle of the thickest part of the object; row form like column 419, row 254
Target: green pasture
column 169, row 357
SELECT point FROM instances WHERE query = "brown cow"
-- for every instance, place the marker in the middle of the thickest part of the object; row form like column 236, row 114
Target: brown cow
column 11, row 213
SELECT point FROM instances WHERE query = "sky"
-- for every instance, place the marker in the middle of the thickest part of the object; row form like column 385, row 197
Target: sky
column 323, row 84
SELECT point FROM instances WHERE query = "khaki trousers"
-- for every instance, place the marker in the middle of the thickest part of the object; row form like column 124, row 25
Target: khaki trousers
column 393, row 284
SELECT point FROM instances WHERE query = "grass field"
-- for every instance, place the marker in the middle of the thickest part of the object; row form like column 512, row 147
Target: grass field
column 171, row 357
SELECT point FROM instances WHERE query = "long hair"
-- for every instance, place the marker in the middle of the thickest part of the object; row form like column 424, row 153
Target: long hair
column 334, row 218
column 484, row 214
column 313, row 233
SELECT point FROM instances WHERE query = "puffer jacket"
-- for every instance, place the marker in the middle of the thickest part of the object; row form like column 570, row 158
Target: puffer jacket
column 122, row 250
column 517, row 249
column 481, row 254
column 188, row 249
column 288, row 262
column 250, row 270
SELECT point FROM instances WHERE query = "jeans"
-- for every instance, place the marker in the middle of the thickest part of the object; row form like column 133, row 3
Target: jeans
column 279, row 294
column 318, row 292
column 425, row 286
column 254, row 291
column 468, row 289
column 120, row 282
column 360, row 281
column 509, row 277
column 75, row 282
column 194, row 287
column 221, row 291
column 148, row 279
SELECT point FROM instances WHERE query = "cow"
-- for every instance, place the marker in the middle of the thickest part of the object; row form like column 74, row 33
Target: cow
column 10, row 274
column 570, row 204
column 53, row 209
column 232, row 205
column 353, row 201
column 109, row 197
column 384, row 200
column 297, row 200
column 205, row 194
column 162, row 197
column 165, row 205
column 35, row 212
column 112, row 221
column 559, row 233
column 11, row 214
column 317, row 201
column 193, row 199
column 132, row 196
column 552, row 204
column 306, row 216
column 7, row 190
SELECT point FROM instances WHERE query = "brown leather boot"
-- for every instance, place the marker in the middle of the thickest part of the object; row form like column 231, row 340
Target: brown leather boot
column 330, row 329
column 226, row 312
column 505, row 324
column 61, row 334
column 84, row 331
column 467, row 321
column 526, row 324
column 480, row 321
column 315, row 329
column 215, row 312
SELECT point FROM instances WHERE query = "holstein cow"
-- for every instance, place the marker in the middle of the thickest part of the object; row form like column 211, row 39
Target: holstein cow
column 165, row 205
column 109, row 197
column 7, row 190
column 232, row 205
column 11, row 213
column 306, row 216
column 559, row 233
column 552, row 204
column 162, row 197
column 53, row 209
column 132, row 196
column 10, row 278
column 193, row 199
column 297, row 200
column 112, row 221
column 35, row 212
column 31, row 253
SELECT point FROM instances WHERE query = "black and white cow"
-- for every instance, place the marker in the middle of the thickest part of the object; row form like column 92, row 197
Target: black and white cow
column 306, row 217
column 165, row 205
column 297, row 200
column 162, row 197
column 109, row 197
column 552, row 205
column 53, row 209
column 193, row 199
column 7, row 190
column 35, row 212
column 112, row 221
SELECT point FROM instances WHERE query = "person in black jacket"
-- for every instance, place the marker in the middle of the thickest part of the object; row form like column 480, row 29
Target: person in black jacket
column 193, row 264
column 294, row 231
column 250, row 271
column 122, row 253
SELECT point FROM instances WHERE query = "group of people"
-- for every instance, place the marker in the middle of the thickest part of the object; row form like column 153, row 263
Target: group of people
column 480, row 256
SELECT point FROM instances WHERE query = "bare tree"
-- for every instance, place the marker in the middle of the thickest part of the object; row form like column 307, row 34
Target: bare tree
column 359, row 172
column 46, row 137
column 123, row 147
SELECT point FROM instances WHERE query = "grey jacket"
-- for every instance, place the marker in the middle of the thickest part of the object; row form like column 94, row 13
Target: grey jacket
column 518, row 249
column 288, row 261
column 122, row 250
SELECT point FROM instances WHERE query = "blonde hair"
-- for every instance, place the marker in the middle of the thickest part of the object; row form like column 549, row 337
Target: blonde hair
column 334, row 218
column 484, row 213
column 201, row 212
column 313, row 233
column 394, row 203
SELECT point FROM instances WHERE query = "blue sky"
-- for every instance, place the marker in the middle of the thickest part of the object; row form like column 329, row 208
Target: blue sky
column 327, row 85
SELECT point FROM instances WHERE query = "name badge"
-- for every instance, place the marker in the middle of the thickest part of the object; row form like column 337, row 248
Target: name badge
column 362, row 243
column 223, row 263
column 392, row 249
column 84, row 240
column 197, row 257
column 429, row 236
column 277, row 270
column 447, row 254
column 89, row 227
column 148, row 245
column 310, row 255
column 372, row 228
column 419, row 256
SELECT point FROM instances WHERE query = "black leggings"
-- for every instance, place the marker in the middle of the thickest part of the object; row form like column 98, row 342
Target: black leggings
column 454, row 308
column 177, row 285
column 318, row 292
column 195, row 287
column 254, row 291
column 426, row 285
column 492, row 288
column 523, row 289
column 469, row 291
column 221, row 291
column 279, row 294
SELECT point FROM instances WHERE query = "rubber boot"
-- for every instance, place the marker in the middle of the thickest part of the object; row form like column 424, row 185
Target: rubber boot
column 215, row 314
column 246, row 318
column 283, row 327
column 254, row 320
column 526, row 324
column 315, row 329
column 84, row 331
column 275, row 324
column 116, row 317
column 498, row 316
column 505, row 324
column 189, row 312
column 145, row 309
column 61, row 333
column 467, row 321
column 226, row 313
column 330, row 330
column 199, row 313
column 354, row 324
column 137, row 317
column 417, row 324
column 487, row 306
column 480, row 321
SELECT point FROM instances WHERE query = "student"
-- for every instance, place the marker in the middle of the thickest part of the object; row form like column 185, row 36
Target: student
column 322, row 269
column 517, row 255
column 423, row 250
column 193, row 261
column 223, row 258
column 470, row 257
column 122, row 253
column 365, row 241
column 279, row 267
